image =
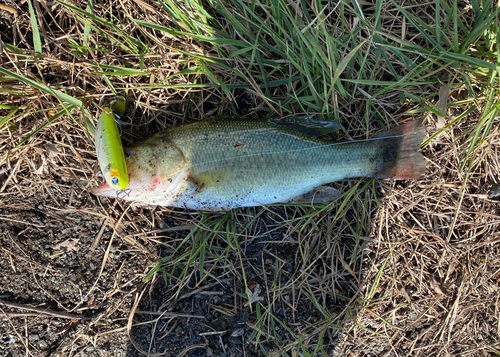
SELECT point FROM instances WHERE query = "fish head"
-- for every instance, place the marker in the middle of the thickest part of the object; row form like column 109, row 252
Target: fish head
column 151, row 190
column 157, row 173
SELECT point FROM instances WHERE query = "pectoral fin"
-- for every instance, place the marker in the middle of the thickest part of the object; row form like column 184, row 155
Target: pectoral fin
column 321, row 194
column 211, row 178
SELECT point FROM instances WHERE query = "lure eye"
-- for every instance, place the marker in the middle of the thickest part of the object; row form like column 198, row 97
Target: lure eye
column 115, row 180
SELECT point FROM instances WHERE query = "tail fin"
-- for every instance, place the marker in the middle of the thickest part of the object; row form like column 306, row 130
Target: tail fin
column 401, row 159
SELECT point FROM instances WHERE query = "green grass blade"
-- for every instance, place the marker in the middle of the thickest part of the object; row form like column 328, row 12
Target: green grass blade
column 37, row 42
column 6, row 118
column 343, row 64
column 119, row 71
column 86, row 30
column 42, row 87
column 373, row 288
column 482, row 24
column 455, row 25
column 130, row 44
column 421, row 26
column 485, row 122
column 438, row 21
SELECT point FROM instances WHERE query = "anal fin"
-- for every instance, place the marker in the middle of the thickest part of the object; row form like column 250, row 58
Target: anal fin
column 321, row 194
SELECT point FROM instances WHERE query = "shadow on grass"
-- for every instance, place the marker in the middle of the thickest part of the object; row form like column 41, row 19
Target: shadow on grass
column 300, row 267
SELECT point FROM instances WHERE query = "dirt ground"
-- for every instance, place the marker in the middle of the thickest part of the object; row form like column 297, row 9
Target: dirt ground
column 59, row 300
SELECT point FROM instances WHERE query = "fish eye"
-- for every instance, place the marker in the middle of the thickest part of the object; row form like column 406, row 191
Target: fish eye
column 115, row 180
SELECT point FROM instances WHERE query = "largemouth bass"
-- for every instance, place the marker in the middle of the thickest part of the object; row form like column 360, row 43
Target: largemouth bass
column 224, row 164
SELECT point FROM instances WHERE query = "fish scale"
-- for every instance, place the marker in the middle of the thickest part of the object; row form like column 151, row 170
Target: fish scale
column 223, row 164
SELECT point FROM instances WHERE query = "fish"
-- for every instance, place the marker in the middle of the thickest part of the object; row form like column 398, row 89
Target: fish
column 221, row 164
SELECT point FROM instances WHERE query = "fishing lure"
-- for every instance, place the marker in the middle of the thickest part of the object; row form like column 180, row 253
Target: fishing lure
column 119, row 105
column 109, row 146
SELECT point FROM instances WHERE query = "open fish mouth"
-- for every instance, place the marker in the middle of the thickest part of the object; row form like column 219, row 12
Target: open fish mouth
column 105, row 190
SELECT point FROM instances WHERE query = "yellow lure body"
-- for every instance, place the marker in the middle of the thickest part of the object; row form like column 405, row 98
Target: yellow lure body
column 119, row 105
column 109, row 150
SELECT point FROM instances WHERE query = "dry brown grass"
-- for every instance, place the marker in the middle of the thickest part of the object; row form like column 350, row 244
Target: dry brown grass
column 437, row 243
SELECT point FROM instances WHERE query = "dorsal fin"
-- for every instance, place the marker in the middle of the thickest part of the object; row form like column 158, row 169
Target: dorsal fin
column 309, row 124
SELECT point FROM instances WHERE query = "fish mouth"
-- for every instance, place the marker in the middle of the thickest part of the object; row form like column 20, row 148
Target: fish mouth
column 104, row 190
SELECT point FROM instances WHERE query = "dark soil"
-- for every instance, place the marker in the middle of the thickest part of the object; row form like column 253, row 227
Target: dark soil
column 53, row 247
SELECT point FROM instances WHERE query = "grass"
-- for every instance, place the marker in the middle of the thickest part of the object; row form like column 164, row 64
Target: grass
column 366, row 65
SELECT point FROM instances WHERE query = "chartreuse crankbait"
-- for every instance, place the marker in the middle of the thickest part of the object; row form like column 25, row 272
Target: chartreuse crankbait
column 109, row 146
